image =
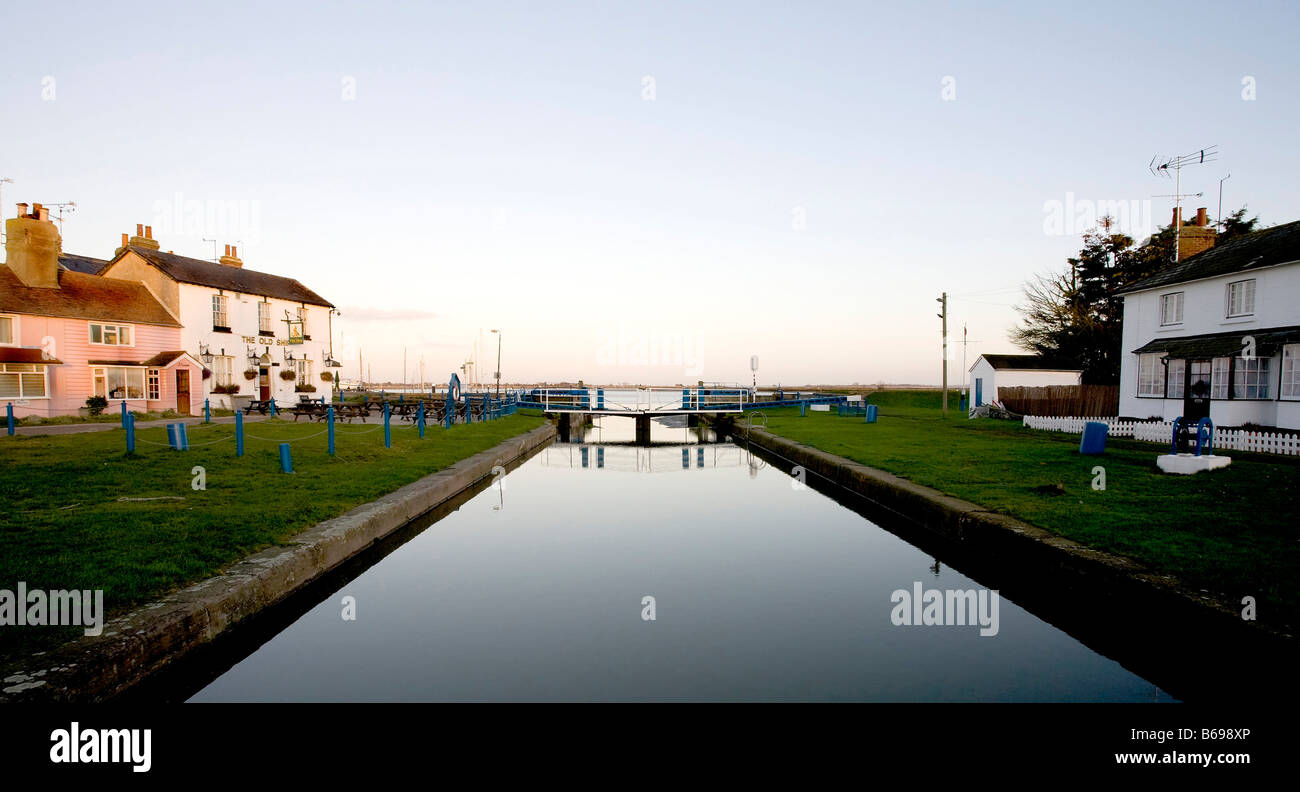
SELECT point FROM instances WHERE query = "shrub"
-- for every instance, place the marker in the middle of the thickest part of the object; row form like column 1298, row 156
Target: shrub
column 250, row 373
column 230, row 389
column 207, row 373
column 304, row 388
column 326, row 376
column 288, row 375
column 97, row 405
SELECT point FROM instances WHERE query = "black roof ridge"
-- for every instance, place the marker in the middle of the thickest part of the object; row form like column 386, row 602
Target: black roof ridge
column 162, row 259
column 1202, row 264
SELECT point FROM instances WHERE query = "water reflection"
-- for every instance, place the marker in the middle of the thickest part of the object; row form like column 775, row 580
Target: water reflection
column 763, row 590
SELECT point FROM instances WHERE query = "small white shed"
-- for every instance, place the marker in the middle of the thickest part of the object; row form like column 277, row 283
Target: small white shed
column 991, row 372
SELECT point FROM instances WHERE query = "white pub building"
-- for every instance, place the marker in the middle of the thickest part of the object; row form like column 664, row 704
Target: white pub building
column 262, row 336
column 1217, row 334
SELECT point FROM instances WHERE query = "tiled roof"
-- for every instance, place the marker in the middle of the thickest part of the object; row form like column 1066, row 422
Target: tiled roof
column 25, row 355
column 1027, row 362
column 82, row 296
column 1266, row 248
column 221, row 276
column 1230, row 344
column 83, row 264
column 160, row 360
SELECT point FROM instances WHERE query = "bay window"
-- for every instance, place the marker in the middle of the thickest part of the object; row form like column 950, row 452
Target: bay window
column 118, row 382
column 1219, row 380
column 1250, row 378
column 1174, row 379
column 1291, row 371
column 1150, row 376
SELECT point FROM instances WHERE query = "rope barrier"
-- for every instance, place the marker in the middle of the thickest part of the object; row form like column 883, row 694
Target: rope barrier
column 281, row 440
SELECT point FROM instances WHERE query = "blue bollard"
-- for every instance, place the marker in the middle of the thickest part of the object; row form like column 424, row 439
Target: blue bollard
column 686, row 459
column 207, row 412
column 124, row 413
column 173, row 438
column 803, row 409
column 329, row 416
column 9, row 417
column 272, row 406
column 584, row 456
column 184, row 436
column 419, row 418
column 699, row 457
column 600, row 457
column 286, row 461
column 388, row 430
column 130, row 434
column 239, row 433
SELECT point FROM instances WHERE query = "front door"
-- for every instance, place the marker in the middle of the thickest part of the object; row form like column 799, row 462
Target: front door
column 183, row 391
column 1196, row 392
column 264, row 383
column 979, row 391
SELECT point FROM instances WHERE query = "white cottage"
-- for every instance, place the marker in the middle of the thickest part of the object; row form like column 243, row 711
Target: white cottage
column 991, row 372
column 241, row 323
column 1218, row 334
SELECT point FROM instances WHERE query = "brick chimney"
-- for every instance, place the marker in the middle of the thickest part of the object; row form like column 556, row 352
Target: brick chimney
column 231, row 259
column 143, row 237
column 32, row 247
column 1195, row 237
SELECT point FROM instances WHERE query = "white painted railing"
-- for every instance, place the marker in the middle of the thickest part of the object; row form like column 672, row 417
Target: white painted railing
column 1162, row 432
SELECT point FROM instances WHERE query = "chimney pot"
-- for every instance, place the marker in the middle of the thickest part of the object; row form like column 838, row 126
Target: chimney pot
column 22, row 209
column 123, row 239
column 148, row 232
column 1177, row 218
column 139, row 229
column 1201, row 219
column 234, row 252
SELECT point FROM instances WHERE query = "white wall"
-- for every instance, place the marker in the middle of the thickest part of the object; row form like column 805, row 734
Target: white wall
column 1015, row 378
column 1204, row 311
column 241, row 313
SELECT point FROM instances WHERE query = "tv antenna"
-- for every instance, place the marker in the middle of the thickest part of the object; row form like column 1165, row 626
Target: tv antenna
column 64, row 206
column 1162, row 166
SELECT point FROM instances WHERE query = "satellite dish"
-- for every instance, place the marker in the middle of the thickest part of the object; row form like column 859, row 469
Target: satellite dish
column 753, row 362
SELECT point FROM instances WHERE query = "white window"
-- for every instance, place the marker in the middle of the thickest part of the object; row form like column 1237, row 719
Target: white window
column 1174, row 379
column 22, row 381
column 155, row 385
column 264, row 318
column 1291, row 371
column 303, row 366
column 8, row 330
column 1219, row 381
column 1150, row 376
column 1250, row 378
column 220, row 317
column 110, row 335
column 118, row 382
column 1241, row 298
column 1171, row 308
column 222, row 368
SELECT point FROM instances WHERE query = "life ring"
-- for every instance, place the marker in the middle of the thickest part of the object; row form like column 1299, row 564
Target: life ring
column 453, row 388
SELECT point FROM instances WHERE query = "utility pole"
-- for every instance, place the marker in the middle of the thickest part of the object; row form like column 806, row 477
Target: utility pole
column 944, row 317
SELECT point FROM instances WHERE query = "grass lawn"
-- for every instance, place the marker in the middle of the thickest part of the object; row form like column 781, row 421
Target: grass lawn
column 1232, row 531
column 64, row 525
column 111, row 416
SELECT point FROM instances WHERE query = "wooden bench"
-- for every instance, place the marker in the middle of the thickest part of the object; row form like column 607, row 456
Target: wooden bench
column 259, row 406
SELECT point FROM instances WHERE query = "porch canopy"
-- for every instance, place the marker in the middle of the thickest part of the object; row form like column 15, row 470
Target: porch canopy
column 1230, row 344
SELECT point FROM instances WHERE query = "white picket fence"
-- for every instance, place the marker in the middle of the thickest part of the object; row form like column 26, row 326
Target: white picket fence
column 1162, row 432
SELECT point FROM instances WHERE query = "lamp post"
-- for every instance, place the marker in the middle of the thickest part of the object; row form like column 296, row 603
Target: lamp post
column 498, row 371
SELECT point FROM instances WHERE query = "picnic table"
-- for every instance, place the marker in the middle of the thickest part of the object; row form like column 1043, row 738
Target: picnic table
column 259, row 406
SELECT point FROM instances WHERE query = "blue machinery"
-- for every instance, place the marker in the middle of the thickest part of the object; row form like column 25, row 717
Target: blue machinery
column 1204, row 436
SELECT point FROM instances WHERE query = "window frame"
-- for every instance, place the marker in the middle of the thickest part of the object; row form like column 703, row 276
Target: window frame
column 1226, row 382
column 1282, row 394
column 98, row 372
column 267, row 329
column 1262, row 375
column 221, row 313
column 1254, row 288
column 1181, row 302
column 117, row 333
column 1181, row 379
column 20, row 372
column 15, row 334
column 1151, row 377
column 153, row 384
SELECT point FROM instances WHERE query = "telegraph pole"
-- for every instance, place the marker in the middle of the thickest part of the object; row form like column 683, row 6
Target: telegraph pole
column 944, row 317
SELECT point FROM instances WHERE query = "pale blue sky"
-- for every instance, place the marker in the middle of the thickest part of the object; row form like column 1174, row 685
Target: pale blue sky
column 500, row 166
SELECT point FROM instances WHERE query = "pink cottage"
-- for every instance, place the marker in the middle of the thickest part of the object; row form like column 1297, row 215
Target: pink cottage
column 67, row 335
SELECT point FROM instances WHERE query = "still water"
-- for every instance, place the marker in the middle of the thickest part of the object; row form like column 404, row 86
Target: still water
column 763, row 590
